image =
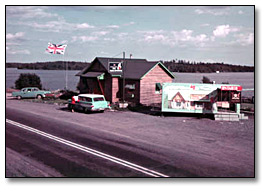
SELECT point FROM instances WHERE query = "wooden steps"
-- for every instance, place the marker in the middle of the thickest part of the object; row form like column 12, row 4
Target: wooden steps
column 226, row 116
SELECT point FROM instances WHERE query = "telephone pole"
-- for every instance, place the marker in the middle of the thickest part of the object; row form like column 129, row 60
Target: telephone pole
column 123, row 76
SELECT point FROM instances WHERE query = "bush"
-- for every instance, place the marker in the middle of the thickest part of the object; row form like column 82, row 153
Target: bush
column 67, row 94
column 28, row 80
column 206, row 80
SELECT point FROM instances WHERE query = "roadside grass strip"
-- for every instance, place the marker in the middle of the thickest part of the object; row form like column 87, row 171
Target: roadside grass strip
column 90, row 151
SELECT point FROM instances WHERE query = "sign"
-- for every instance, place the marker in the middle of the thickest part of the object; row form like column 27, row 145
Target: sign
column 197, row 97
column 115, row 66
column 237, row 88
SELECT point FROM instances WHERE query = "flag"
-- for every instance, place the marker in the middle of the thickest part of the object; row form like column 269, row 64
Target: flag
column 56, row 49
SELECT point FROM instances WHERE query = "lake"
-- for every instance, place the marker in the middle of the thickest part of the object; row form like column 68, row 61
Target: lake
column 55, row 79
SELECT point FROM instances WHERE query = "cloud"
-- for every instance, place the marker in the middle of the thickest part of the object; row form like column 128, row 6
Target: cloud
column 100, row 33
column 205, row 25
column 130, row 23
column 240, row 12
column 15, row 36
column 245, row 39
column 113, row 26
column 175, row 38
column 59, row 25
column 84, row 26
column 26, row 12
column 213, row 10
column 84, row 38
column 13, row 52
column 224, row 30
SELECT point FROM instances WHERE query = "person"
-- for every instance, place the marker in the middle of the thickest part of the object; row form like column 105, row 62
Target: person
column 73, row 102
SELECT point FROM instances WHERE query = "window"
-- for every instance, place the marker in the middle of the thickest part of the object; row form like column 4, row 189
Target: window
column 99, row 99
column 158, row 88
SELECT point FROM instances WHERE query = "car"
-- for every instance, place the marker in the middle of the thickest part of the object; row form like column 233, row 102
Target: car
column 30, row 92
column 89, row 102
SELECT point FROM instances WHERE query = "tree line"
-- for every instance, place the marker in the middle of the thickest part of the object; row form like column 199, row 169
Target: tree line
column 172, row 65
column 204, row 67
column 57, row 65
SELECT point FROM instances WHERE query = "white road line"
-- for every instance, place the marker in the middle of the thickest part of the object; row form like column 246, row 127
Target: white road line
column 90, row 151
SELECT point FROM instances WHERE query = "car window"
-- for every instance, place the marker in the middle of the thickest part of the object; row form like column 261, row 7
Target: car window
column 35, row 89
column 23, row 90
column 29, row 90
column 99, row 99
column 85, row 99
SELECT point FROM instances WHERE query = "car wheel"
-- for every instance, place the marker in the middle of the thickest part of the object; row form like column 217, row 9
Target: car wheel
column 85, row 110
column 19, row 97
column 39, row 96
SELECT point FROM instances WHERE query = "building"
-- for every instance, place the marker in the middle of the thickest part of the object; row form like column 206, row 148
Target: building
column 142, row 80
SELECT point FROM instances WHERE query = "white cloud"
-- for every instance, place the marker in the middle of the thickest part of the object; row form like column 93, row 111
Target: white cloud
column 217, row 11
column 224, row 30
column 100, row 33
column 205, row 25
column 13, row 52
column 130, row 23
column 59, row 25
column 26, row 12
column 113, row 26
column 84, row 26
column 240, row 12
column 175, row 38
column 84, row 38
column 245, row 39
column 15, row 36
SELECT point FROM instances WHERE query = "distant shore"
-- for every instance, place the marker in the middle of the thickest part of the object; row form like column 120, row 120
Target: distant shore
column 174, row 66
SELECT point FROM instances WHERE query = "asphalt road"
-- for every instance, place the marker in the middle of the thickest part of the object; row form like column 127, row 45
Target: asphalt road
column 123, row 144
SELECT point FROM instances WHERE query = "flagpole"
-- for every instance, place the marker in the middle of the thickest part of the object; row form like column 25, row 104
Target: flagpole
column 66, row 64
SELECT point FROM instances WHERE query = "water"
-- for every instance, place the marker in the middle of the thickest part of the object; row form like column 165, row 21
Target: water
column 55, row 79
column 50, row 79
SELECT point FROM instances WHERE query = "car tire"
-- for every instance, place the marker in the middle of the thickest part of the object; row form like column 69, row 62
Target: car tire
column 19, row 97
column 39, row 96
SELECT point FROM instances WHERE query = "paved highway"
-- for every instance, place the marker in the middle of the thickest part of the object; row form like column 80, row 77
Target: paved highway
column 51, row 141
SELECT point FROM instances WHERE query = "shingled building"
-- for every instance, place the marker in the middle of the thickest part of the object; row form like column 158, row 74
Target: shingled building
column 142, row 79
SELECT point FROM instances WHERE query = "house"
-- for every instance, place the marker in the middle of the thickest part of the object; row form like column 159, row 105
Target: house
column 142, row 80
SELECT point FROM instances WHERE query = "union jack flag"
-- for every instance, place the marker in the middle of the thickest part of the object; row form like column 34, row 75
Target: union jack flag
column 56, row 49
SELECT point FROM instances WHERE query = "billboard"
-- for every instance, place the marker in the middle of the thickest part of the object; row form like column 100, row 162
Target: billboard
column 195, row 97
column 115, row 66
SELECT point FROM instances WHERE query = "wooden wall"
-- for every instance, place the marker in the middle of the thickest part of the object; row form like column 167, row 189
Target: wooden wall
column 148, row 95
column 115, row 89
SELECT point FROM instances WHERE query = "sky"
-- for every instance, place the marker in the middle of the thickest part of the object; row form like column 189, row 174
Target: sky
column 193, row 33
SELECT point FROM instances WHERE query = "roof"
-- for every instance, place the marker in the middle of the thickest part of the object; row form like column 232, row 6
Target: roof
column 91, row 74
column 90, row 95
column 133, row 68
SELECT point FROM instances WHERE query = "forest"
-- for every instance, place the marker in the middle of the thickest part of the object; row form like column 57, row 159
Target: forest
column 172, row 65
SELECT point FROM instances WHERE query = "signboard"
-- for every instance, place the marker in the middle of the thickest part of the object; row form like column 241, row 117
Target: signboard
column 237, row 88
column 115, row 66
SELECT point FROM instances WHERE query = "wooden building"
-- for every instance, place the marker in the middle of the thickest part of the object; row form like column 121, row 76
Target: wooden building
column 142, row 80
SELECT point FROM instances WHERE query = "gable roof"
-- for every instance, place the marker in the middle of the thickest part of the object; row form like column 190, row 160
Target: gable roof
column 133, row 68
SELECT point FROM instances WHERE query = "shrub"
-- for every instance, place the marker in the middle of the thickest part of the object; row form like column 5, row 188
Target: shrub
column 206, row 80
column 28, row 80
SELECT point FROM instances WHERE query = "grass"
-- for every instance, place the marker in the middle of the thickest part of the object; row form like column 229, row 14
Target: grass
column 59, row 102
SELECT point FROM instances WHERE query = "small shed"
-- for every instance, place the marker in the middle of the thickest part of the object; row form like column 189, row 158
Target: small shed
column 142, row 80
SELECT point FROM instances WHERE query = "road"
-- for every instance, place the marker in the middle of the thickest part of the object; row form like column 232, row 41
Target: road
column 49, row 141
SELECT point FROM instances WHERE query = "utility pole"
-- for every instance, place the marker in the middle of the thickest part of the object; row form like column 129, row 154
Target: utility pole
column 123, row 76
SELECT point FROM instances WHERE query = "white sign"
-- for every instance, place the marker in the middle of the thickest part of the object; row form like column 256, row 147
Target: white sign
column 115, row 66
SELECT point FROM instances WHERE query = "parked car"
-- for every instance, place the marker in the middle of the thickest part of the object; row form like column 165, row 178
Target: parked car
column 30, row 92
column 89, row 102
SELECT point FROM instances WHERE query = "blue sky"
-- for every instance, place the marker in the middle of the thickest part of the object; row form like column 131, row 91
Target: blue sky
column 194, row 33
